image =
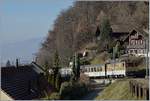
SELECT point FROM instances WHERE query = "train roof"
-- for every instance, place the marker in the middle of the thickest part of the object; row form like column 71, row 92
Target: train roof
column 94, row 65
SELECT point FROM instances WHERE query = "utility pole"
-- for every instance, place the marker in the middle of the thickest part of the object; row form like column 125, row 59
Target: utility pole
column 114, row 51
column 147, row 57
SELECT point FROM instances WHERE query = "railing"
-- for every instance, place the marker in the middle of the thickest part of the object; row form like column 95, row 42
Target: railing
column 136, row 46
column 139, row 90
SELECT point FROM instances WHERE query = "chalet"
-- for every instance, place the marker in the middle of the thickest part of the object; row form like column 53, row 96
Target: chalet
column 134, row 40
column 136, row 43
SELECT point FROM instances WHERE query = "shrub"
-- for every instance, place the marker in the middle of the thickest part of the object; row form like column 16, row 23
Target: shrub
column 51, row 80
column 73, row 90
column 58, row 82
column 65, row 89
column 54, row 96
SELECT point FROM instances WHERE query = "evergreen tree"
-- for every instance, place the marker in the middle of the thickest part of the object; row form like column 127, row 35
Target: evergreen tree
column 58, row 82
column 76, row 67
column 17, row 63
column 97, row 32
column 8, row 64
column 56, row 67
column 117, row 49
column 46, row 66
column 73, row 70
column 105, row 30
column 56, row 60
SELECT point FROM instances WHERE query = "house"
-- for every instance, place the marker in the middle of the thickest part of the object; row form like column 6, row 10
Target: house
column 136, row 43
column 134, row 40
column 22, row 83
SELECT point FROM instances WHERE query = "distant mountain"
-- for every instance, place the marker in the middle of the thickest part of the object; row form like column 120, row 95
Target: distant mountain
column 24, row 50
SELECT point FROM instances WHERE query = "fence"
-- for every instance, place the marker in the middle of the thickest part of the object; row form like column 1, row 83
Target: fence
column 140, row 90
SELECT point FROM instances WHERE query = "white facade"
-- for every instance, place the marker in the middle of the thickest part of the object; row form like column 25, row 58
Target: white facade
column 65, row 71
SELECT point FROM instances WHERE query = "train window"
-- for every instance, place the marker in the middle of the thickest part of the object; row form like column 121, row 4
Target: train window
column 94, row 69
column 98, row 69
column 90, row 70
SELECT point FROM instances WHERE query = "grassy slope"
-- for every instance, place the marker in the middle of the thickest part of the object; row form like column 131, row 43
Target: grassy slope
column 118, row 90
column 100, row 58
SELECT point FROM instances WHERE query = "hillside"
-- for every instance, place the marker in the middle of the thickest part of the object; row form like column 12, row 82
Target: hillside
column 76, row 27
column 119, row 90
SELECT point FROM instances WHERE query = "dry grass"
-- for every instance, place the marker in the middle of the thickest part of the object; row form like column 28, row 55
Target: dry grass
column 118, row 90
column 100, row 58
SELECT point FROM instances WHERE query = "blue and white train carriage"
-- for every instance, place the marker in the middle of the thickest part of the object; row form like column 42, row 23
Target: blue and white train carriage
column 113, row 69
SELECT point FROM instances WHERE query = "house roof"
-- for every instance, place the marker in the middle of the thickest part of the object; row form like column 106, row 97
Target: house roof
column 121, row 28
column 15, row 81
column 91, row 66
column 119, row 31
column 145, row 34
column 122, row 31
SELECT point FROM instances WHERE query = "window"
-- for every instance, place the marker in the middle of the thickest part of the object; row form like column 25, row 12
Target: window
column 131, row 51
column 92, row 70
column 95, row 69
column 85, row 70
column 135, row 51
column 143, row 51
column 136, row 42
column 132, row 42
column 98, row 69
column 139, row 51
column 141, row 42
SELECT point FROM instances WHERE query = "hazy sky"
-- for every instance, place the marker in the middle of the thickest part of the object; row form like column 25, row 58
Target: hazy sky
column 23, row 23
column 26, row 19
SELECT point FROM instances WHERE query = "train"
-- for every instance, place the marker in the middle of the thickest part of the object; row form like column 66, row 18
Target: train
column 111, row 69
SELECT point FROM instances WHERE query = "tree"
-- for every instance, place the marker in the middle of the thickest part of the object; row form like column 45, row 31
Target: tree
column 76, row 67
column 56, row 67
column 73, row 29
column 105, row 38
column 56, row 60
column 116, row 50
column 105, row 29
column 17, row 63
column 97, row 32
column 46, row 66
column 8, row 64
column 73, row 70
column 58, row 82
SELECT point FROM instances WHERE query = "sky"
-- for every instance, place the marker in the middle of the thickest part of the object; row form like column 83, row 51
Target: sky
column 22, row 20
column 26, row 19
